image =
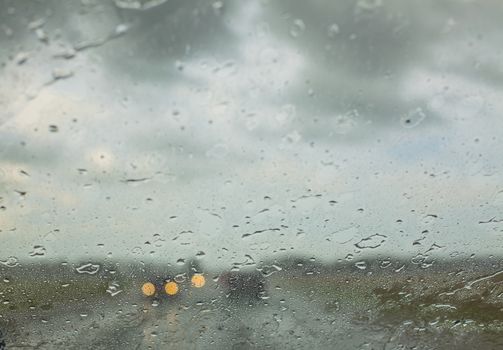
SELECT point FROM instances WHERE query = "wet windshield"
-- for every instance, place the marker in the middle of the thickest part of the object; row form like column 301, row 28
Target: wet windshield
column 252, row 174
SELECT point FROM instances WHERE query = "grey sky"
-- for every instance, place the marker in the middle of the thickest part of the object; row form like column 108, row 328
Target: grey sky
column 222, row 110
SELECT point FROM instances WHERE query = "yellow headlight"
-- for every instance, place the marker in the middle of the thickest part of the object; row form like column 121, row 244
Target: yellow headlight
column 198, row 280
column 148, row 289
column 171, row 288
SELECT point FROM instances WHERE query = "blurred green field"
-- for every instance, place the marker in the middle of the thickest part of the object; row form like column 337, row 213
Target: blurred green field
column 33, row 294
column 473, row 298
column 437, row 298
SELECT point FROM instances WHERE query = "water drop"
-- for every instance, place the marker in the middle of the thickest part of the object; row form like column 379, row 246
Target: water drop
column 292, row 137
column 297, row 28
column 66, row 53
column 384, row 263
column 412, row 118
column 349, row 257
column 137, row 250
column 38, row 250
column 371, row 242
column 35, row 24
column 114, row 289
column 121, row 29
column 362, row 265
column 41, row 35
column 345, row 123
column 11, row 261
column 158, row 241
column 429, row 219
column 418, row 259
column 21, row 58
column 180, row 278
column 179, row 66
column 138, row 4
column 61, row 73
column 88, row 268
column 269, row 270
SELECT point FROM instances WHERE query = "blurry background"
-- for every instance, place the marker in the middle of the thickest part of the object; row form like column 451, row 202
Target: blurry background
column 306, row 126
column 348, row 151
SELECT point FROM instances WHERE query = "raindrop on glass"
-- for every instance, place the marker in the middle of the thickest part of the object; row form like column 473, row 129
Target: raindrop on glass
column 297, row 28
column 412, row 118
column 38, row 250
column 88, row 268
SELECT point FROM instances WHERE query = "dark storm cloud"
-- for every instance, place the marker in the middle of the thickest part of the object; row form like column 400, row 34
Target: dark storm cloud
column 213, row 105
column 360, row 68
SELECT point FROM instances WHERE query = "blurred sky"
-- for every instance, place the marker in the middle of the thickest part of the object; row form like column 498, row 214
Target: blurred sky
column 150, row 129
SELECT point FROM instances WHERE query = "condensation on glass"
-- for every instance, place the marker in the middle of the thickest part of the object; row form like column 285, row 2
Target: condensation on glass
column 259, row 174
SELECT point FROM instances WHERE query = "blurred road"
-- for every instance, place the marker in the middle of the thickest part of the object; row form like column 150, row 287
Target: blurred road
column 219, row 323
column 216, row 323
